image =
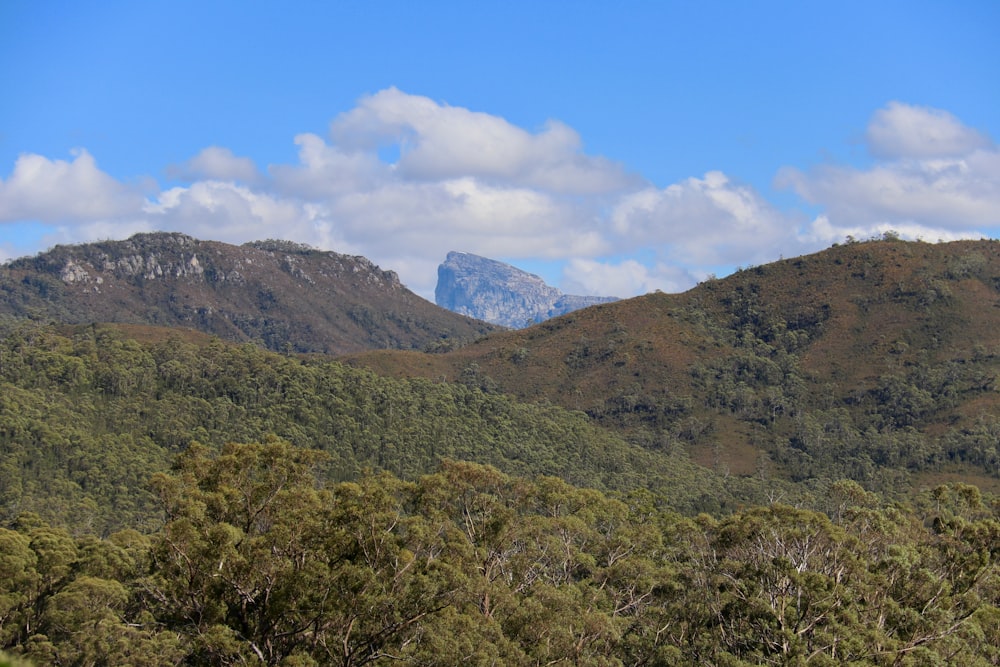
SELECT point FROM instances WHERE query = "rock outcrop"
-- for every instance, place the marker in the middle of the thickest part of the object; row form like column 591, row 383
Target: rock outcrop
column 501, row 294
column 280, row 294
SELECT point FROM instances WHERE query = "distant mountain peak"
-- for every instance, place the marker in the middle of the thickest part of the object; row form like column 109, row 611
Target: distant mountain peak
column 499, row 293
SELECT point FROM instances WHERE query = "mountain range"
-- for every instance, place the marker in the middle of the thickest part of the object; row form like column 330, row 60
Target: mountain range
column 500, row 293
column 875, row 361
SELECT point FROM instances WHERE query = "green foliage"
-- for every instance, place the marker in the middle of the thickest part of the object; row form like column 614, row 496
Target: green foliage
column 382, row 520
column 870, row 361
column 260, row 562
column 899, row 417
column 87, row 416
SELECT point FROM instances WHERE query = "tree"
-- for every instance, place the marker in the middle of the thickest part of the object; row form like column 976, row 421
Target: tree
column 257, row 562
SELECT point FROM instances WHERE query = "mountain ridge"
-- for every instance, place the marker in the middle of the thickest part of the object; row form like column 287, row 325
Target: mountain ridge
column 282, row 295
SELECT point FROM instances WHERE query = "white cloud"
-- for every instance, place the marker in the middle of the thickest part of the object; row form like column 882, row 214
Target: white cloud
column 440, row 142
column 403, row 179
column 952, row 195
column 628, row 277
column 823, row 232
column 944, row 179
column 905, row 131
column 705, row 221
column 218, row 163
column 328, row 171
column 463, row 180
column 56, row 190
column 98, row 229
column 401, row 221
column 224, row 211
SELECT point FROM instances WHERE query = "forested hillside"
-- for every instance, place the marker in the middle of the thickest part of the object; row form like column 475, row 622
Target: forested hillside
column 875, row 361
column 88, row 414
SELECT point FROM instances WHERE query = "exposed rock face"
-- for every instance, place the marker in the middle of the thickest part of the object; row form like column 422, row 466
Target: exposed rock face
column 500, row 293
column 283, row 295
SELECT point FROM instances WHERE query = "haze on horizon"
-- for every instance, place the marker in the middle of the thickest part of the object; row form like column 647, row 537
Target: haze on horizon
column 611, row 151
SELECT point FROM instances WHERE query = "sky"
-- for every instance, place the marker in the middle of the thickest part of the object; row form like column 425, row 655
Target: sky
column 612, row 148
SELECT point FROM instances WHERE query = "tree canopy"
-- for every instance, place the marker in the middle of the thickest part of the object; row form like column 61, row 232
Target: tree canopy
column 260, row 562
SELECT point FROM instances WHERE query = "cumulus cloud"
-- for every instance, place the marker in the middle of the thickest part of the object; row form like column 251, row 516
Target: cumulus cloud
column 823, row 232
column 226, row 211
column 704, row 221
column 328, row 171
column 58, row 190
column 218, row 163
column 940, row 179
column 403, row 179
column 905, row 131
column 440, row 142
column 405, row 220
column 452, row 179
column 460, row 179
column 628, row 277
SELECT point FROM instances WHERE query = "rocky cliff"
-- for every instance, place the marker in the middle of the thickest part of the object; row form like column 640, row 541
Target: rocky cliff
column 500, row 293
column 283, row 295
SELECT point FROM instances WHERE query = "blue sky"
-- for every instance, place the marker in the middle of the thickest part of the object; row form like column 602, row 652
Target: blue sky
column 613, row 149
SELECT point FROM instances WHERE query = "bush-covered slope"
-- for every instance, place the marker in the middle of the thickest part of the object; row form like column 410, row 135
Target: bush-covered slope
column 871, row 360
column 352, row 529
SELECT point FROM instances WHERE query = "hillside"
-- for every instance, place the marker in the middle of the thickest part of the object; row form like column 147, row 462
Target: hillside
column 867, row 360
column 281, row 295
column 89, row 413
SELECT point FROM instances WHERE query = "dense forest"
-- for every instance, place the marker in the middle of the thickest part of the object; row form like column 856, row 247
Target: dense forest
column 258, row 562
column 734, row 476
column 88, row 414
column 355, row 528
